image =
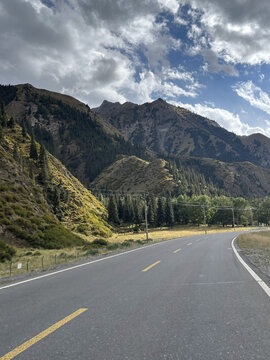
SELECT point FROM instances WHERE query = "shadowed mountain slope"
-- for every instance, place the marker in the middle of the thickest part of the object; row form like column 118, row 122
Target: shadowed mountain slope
column 171, row 130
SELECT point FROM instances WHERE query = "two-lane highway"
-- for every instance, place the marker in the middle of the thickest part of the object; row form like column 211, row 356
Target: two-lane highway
column 187, row 298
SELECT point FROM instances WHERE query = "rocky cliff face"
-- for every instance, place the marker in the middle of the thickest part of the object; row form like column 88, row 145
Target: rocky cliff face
column 171, row 130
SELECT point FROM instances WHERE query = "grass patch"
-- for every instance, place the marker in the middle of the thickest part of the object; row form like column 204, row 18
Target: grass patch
column 57, row 237
column 258, row 240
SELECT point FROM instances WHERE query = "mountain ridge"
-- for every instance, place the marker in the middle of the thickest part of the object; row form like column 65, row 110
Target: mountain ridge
column 170, row 130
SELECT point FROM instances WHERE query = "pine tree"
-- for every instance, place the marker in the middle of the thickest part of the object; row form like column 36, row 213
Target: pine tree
column 2, row 109
column 33, row 148
column 11, row 123
column 31, row 170
column 56, row 199
column 44, row 175
column 120, row 209
column 137, row 213
column 1, row 133
column 160, row 213
column 126, row 215
column 113, row 211
column 169, row 215
column 3, row 116
column 42, row 155
column 24, row 132
column 15, row 152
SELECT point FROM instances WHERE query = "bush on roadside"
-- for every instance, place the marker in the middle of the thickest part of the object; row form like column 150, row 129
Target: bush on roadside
column 99, row 242
column 6, row 251
column 113, row 246
column 92, row 252
column 127, row 243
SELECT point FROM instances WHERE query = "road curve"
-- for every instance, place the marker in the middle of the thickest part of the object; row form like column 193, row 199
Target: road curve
column 188, row 298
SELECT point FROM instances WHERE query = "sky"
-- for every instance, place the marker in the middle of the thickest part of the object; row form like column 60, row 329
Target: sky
column 209, row 56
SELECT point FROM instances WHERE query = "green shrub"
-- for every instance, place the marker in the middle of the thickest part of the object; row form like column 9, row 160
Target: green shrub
column 5, row 221
column 100, row 242
column 3, row 187
column 9, row 211
column 127, row 243
column 10, row 197
column 36, row 220
column 92, row 252
column 37, row 253
column 26, row 223
column 57, row 237
column 28, row 253
column 83, row 229
column 113, row 246
column 19, row 210
column 6, row 251
column 49, row 219
column 18, row 232
column 35, row 240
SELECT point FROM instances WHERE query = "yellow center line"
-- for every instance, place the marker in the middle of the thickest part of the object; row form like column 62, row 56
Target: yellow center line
column 187, row 245
column 149, row 267
column 176, row 251
column 41, row 335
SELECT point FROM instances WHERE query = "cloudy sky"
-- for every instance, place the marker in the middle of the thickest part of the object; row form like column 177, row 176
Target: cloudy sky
column 210, row 56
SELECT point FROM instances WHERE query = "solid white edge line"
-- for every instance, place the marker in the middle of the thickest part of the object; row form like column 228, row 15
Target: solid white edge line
column 84, row 264
column 252, row 273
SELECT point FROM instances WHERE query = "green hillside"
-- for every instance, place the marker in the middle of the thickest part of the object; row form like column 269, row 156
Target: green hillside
column 41, row 203
column 83, row 141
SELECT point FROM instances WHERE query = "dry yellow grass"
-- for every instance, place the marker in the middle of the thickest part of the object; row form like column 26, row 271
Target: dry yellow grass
column 258, row 240
column 51, row 258
column 167, row 233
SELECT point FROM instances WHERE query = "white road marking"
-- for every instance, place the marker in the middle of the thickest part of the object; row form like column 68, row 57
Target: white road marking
column 252, row 273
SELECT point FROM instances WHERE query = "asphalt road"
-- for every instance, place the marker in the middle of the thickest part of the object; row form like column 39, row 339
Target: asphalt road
column 195, row 303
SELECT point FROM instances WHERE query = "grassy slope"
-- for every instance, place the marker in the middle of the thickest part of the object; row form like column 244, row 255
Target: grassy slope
column 133, row 174
column 26, row 217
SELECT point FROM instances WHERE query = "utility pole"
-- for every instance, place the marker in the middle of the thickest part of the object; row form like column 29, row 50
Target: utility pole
column 145, row 214
column 204, row 218
column 251, row 214
column 233, row 219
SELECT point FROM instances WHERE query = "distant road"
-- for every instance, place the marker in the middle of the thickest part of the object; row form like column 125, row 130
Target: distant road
column 184, row 299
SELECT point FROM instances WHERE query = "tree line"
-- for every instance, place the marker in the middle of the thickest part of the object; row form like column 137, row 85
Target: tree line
column 185, row 210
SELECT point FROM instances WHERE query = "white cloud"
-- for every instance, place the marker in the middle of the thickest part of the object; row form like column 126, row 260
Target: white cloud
column 230, row 121
column 254, row 95
column 90, row 50
column 237, row 31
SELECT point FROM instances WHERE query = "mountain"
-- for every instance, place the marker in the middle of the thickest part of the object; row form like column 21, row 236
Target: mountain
column 41, row 203
column 115, row 145
column 83, row 141
column 171, row 130
column 136, row 175
column 188, row 175
column 239, row 179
